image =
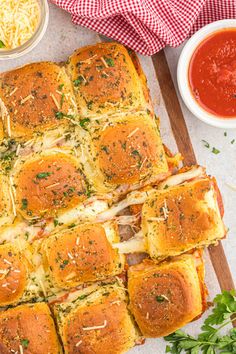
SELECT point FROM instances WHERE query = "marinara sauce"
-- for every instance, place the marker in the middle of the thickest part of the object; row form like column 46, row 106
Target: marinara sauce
column 212, row 73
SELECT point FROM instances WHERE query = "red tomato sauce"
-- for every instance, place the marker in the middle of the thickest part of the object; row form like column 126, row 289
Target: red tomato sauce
column 212, row 73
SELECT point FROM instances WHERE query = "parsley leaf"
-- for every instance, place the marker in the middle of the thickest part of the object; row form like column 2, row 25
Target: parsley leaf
column 215, row 151
column 210, row 340
column 83, row 123
column 43, row 175
column 24, row 343
column 2, row 45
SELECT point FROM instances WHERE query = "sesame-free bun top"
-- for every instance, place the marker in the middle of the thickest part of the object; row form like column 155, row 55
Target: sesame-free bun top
column 166, row 296
column 129, row 149
column 28, row 329
column 97, row 323
column 180, row 218
column 48, row 183
column 13, row 275
column 82, row 254
column 105, row 80
column 32, row 96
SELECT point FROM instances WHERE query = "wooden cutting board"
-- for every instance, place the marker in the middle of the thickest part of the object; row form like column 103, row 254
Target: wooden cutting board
column 184, row 145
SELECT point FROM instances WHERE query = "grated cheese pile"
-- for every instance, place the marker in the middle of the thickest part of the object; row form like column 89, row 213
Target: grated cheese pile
column 18, row 22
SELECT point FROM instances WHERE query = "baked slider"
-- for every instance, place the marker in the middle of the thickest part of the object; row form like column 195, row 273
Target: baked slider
column 166, row 296
column 184, row 212
column 128, row 151
column 81, row 254
column 28, row 329
column 105, row 80
column 48, row 183
column 35, row 97
column 96, row 321
column 182, row 217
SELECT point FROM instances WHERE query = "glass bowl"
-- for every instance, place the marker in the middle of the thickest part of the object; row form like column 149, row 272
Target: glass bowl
column 34, row 40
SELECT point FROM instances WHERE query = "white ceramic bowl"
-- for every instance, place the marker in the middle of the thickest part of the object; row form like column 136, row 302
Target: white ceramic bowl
column 182, row 75
column 34, row 40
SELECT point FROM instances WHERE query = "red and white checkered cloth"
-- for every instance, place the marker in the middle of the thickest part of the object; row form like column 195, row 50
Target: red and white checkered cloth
column 147, row 25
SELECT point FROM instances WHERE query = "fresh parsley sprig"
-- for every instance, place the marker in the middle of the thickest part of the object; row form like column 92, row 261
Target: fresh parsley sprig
column 210, row 340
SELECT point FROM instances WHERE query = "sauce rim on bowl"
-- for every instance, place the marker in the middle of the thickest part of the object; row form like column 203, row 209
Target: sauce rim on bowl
column 212, row 73
column 183, row 75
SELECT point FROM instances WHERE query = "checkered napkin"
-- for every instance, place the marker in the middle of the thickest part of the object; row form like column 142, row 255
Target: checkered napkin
column 147, row 25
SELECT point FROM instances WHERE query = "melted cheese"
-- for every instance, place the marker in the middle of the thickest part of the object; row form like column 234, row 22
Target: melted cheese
column 19, row 21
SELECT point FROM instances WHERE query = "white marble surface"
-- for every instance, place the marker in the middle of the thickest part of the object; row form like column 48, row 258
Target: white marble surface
column 61, row 38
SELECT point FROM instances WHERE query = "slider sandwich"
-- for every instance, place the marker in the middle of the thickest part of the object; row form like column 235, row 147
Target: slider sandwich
column 27, row 329
column 166, row 296
column 184, row 212
column 96, row 320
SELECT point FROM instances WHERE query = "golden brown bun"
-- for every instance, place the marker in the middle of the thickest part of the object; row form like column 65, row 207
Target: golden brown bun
column 82, row 254
column 105, row 80
column 105, row 308
column 13, row 275
column 28, row 329
column 164, row 297
column 180, row 218
column 32, row 95
column 142, row 78
column 48, row 183
column 128, row 150
column 6, row 206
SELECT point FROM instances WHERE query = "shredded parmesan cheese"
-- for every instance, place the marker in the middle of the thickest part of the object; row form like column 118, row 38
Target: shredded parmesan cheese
column 78, row 343
column 19, row 21
column 133, row 132
column 95, row 327
column 21, row 349
column 88, row 61
column 12, row 201
column 12, row 92
column 55, row 101
column 104, row 62
column 27, row 98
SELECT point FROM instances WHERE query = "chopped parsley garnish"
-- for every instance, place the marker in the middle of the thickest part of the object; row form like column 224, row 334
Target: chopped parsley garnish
column 215, row 151
column 43, row 175
column 62, row 99
column 225, row 133
column 212, row 338
column 135, row 153
column 90, row 105
column 55, row 222
column 71, row 226
column 232, row 141
column 60, row 87
column 81, row 297
column 206, row 144
column 61, row 115
column 83, row 123
column 2, row 45
column 64, row 263
column 105, row 149
column 160, row 298
column 78, row 81
column 24, row 203
column 24, row 343
column 110, row 62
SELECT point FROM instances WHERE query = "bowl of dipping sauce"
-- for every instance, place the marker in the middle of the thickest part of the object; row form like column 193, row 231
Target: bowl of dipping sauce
column 206, row 74
column 23, row 24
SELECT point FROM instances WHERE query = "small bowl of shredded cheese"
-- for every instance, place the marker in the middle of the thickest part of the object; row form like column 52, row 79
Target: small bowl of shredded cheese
column 22, row 25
